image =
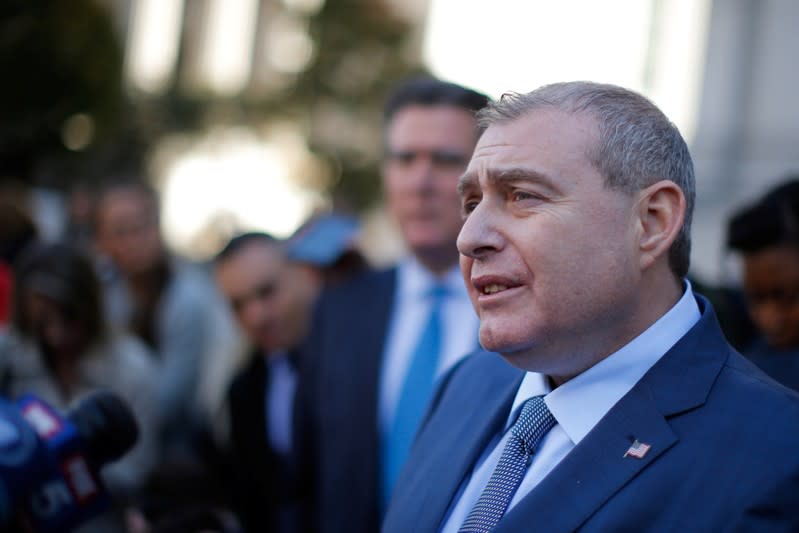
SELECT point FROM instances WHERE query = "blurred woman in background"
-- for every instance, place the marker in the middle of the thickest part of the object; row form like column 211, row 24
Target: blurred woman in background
column 59, row 348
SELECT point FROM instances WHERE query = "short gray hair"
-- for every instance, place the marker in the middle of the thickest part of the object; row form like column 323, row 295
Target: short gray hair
column 637, row 147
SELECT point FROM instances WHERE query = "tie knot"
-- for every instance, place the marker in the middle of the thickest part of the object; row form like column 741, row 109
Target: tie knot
column 533, row 423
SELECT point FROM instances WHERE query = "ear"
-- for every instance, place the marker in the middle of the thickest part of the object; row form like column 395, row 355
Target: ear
column 661, row 212
column 308, row 277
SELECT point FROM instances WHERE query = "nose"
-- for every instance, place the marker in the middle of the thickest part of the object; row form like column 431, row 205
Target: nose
column 769, row 317
column 421, row 174
column 480, row 236
column 255, row 312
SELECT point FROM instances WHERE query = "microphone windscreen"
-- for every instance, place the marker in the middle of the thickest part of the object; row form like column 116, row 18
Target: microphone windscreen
column 106, row 425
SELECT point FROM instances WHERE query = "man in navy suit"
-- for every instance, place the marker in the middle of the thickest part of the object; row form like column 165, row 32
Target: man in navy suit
column 272, row 298
column 377, row 343
column 623, row 408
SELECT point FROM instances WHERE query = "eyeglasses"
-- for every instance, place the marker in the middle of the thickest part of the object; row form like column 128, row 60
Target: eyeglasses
column 439, row 158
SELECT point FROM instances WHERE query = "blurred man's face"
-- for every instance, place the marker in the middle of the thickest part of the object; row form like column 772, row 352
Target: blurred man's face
column 271, row 298
column 127, row 230
column 428, row 148
column 771, row 283
column 547, row 251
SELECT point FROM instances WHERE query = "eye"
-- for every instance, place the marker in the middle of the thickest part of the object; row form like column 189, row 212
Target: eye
column 468, row 205
column 520, row 195
column 402, row 157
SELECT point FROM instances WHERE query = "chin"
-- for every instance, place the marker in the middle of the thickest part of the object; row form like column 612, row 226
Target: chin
column 495, row 342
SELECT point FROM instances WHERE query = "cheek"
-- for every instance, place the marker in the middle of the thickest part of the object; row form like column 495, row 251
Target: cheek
column 466, row 263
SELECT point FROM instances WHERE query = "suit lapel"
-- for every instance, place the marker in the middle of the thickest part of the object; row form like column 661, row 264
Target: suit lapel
column 358, row 360
column 367, row 357
column 596, row 468
column 356, row 369
column 458, row 439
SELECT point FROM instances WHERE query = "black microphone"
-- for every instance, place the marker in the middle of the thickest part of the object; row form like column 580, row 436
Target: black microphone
column 49, row 464
column 106, row 425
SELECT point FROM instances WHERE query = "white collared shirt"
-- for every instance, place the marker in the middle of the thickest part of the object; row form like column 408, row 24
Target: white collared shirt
column 411, row 308
column 578, row 405
column 279, row 398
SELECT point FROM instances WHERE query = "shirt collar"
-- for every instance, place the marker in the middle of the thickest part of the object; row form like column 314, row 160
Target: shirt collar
column 414, row 280
column 580, row 403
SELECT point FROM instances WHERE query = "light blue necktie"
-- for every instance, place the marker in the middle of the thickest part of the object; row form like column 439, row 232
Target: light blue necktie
column 533, row 423
column 416, row 391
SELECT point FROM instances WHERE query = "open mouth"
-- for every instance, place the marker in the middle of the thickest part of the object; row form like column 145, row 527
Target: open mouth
column 494, row 288
column 488, row 285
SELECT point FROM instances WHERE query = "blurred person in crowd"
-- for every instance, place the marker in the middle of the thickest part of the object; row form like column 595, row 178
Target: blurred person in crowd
column 730, row 307
column 272, row 299
column 170, row 304
column 17, row 231
column 59, row 348
column 379, row 340
column 328, row 242
column 607, row 398
column 80, row 205
column 766, row 235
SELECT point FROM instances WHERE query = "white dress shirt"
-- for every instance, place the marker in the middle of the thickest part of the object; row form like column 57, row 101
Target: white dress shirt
column 279, row 398
column 412, row 305
column 577, row 405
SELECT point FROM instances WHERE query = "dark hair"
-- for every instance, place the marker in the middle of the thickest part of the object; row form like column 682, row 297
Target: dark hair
column 637, row 146
column 63, row 274
column 238, row 242
column 771, row 221
column 17, row 230
column 429, row 91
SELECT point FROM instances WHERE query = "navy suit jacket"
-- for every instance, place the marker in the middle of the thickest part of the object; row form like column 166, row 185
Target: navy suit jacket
column 263, row 491
column 724, row 449
column 336, row 419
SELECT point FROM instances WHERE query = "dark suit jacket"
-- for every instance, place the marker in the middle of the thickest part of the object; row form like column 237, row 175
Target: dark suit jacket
column 264, row 483
column 337, row 404
column 724, row 449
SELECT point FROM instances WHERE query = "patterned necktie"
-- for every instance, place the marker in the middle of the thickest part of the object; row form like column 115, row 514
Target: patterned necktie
column 416, row 391
column 534, row 422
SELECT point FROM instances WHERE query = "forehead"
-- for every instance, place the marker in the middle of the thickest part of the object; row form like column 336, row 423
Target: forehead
column 431, row 125
column 773, row 266
column 545, row 142
column 254, row 261
column 124, row 202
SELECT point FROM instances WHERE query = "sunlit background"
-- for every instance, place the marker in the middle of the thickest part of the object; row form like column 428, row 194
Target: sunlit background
column 278, row 119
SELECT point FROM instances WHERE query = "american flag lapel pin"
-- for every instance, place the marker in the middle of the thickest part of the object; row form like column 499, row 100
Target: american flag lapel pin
column 637, row 449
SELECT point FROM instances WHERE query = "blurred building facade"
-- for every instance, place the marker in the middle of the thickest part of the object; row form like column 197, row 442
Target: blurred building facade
column 748, row 120
column 305, row 79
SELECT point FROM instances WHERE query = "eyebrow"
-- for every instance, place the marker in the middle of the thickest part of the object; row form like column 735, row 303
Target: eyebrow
column 507, row 175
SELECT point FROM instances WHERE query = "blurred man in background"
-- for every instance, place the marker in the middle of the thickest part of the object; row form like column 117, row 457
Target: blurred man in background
column 378, row 342
column 766, row 235
column 169, row 303
column 272, row 300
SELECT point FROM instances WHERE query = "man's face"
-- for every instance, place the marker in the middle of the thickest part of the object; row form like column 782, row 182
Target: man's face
column 428, row 148
column 127, row 230
column 270, row 297
column 771, row 283
column 547, row 251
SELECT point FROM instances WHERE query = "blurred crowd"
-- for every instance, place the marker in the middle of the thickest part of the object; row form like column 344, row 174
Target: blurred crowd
column 278, row 386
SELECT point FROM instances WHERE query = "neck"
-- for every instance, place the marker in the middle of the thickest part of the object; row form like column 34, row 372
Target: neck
column 152, row 280
column 658, row 295
column 437, row 264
